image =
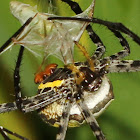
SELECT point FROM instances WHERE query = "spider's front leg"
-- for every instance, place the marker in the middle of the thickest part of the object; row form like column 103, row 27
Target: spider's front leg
column 111, row 25
column 94, row 37
column 118, row 27
column 33, row 103
column 107, row 63
column 7, row 45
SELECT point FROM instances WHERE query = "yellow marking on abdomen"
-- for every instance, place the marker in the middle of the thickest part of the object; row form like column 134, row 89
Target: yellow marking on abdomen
column 50, row 84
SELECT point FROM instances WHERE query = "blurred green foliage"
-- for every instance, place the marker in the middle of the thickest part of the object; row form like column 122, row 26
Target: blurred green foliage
column 121, row 120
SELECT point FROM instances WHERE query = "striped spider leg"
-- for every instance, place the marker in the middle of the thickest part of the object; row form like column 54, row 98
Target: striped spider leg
column 91, row 120
column 64, row 118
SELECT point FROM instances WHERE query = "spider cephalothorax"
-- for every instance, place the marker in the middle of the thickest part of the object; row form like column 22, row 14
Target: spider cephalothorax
column 79, row 91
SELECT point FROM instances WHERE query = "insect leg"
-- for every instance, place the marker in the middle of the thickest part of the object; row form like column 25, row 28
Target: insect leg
column 6, row 44
column 89, row 60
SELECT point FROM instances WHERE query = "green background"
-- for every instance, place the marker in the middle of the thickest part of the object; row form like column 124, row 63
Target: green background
column 121, row 121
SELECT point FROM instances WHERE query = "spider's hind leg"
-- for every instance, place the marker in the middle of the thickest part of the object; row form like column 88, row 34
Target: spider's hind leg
column 91, row 120
column 89, row 117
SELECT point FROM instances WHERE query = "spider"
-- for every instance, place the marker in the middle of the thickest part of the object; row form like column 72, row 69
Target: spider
column 80, row 91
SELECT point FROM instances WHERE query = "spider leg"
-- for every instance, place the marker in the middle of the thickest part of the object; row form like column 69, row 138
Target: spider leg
column 6, row 44
column 91, row 121
column 87, row 114
column 124, row 66
column 112, row 63
column 118, row 27
column 33, row 103
column 64, row 121
column 74, row 6
column 13, row 106
column 106, row 62
column 17, row 79
column 7, row 107
column 4, row 132
column 124, row 44
column 94, row 37
column 111, row 25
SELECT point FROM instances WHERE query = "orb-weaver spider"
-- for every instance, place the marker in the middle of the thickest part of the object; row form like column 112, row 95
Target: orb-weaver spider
column 80, row 90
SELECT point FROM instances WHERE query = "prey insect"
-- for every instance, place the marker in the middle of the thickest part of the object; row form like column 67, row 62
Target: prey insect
column 44, row 37
column 80, row 91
